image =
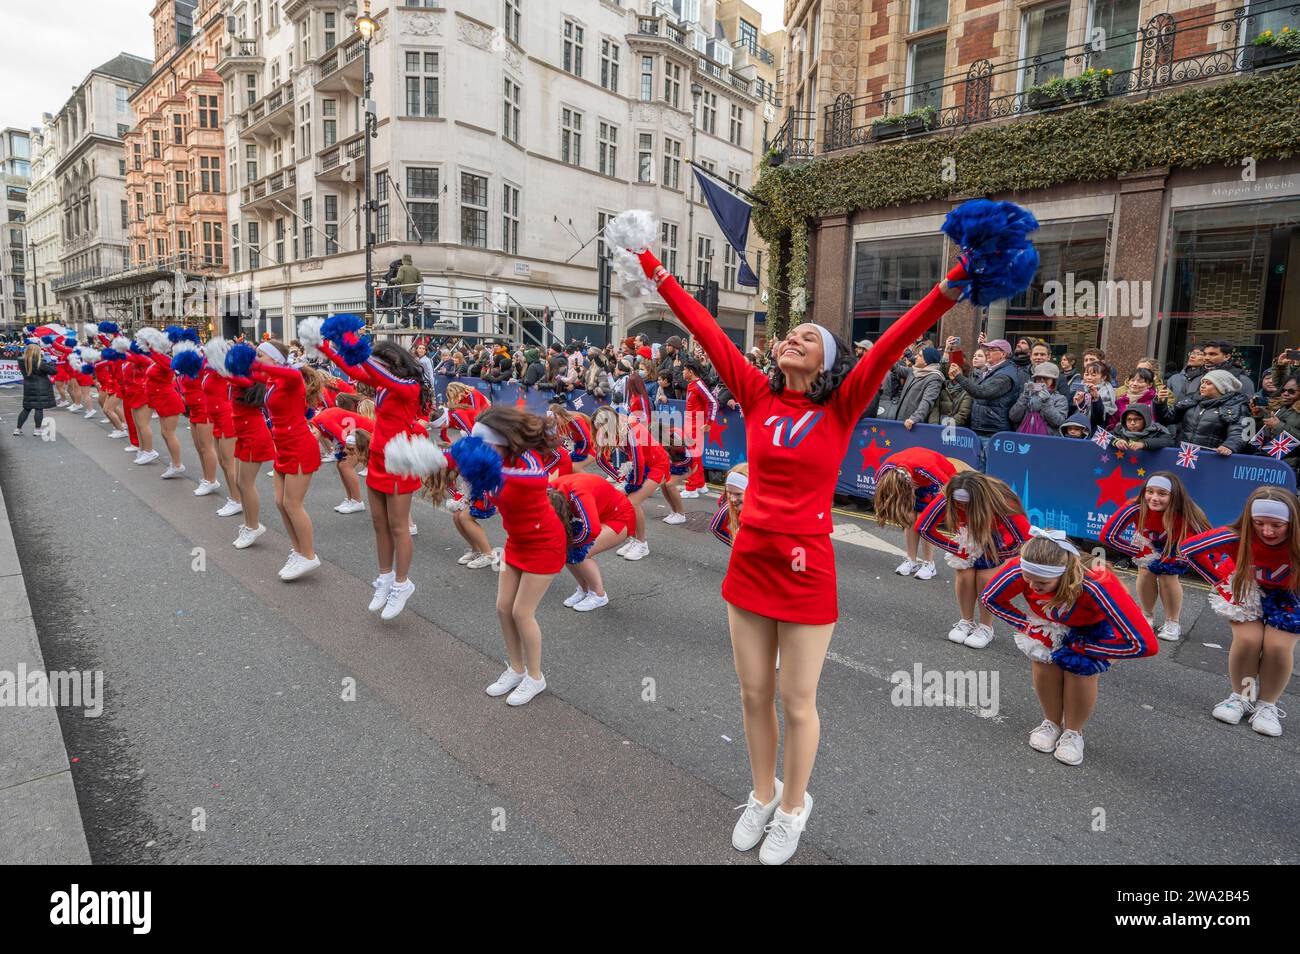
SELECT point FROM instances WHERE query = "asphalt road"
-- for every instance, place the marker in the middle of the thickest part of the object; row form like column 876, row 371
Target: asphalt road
column 226, row 736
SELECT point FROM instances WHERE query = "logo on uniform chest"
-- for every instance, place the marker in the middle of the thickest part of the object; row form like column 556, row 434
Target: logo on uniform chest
column 788, row 432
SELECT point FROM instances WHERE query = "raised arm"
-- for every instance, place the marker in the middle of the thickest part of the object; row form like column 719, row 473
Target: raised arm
column 355, row 371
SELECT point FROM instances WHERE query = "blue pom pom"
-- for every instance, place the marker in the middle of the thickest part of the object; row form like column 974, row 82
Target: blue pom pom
column 108, row 328
column 578, row 554
column 112, row 354
column 240, row 358
column 30, row 329
column 479, row 464
column 311, row 412
column 354, row 353
column 999, row 258
column 1281, row 609
column 87, row 369
column 188, row 363
column 69, row 342
column 47, row 339
column 1078, row 663
column 335, row 327
column 174, row 333
column 136, row 349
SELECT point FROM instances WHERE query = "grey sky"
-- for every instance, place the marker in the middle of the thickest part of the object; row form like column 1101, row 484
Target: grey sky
column 48, row 46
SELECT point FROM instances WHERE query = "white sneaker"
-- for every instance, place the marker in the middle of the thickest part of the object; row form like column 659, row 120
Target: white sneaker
column 206, row 487
column 783, row 833
column 1265, row 721
column 689, row 494
column 704, row 491
column 350, row 506
column 525, row 691
column 467, row 556
column 230, row 508
column 480, row 560
column 961, row 630
column 1233, row 709
column 926, row 571
column 293, row 558
column 397, row 597
column 383, row 585
column 907, row 567
column 1069, row 749
column 301, row 567
column 622, row 551
column 146, row 457
column 1044, row 738
column 592, row 602
column 640, row 551
column 506, row 682
column 675, row 518
column 131, row 448
column 60, row 403
column 413, row 529
column 363, row 471
column 18, row 432
column 980, row 636
column 247, row 535
column 749, row 827
column 173, row 470
column 1170, row 631
column 75, row 407
column 90, row 413
column 578, row 596
column 118, row 435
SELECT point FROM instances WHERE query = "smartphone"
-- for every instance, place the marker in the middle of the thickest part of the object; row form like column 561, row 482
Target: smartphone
column 1292, row 354
column 957, row 357
column 956, row 341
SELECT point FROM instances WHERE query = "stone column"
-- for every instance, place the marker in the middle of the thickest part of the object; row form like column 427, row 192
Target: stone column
column 1137, row 237
column 830, row 251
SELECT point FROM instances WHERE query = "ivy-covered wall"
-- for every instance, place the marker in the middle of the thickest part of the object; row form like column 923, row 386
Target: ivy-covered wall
column 1215, row 124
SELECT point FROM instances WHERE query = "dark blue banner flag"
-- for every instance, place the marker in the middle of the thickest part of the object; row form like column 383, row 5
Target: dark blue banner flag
column 732, row 215
column 874, row 440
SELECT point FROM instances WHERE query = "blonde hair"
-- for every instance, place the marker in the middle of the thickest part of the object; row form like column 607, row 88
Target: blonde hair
column 733, row 513
column 457, row 394
column 895, row 500
column 1045, row 552
column 607, row 423
column 33, row 357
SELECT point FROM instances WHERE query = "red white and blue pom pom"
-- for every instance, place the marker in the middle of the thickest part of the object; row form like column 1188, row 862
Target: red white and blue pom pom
column 215, row 351
column 108, row 328
column 479, row 464
column 240, row 358
column 1000, row 260
column 344, row 332
column 187, row 359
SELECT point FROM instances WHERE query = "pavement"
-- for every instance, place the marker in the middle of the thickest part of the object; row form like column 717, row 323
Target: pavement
column 251, row 720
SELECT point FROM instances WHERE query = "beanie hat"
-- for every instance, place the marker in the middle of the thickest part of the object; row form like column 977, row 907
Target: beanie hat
column 674, row 342
column 931, row 355
column 1225, row 381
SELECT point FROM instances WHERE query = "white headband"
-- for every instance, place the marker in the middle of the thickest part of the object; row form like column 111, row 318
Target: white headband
column 828, row 348
column 1160, row 483
column 270, row 352
column 1038, row 569
column 1056, row 536
column 351, row 440
column 1273, row 509
column 961, row 495
column 485, row 433
column 737, row 481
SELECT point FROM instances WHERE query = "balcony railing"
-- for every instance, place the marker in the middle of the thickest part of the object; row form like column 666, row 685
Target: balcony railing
column 185, row 262
column 278, row 181
column 268, row 104
column 345, row 151
column 341, row 55
column 1166, row 53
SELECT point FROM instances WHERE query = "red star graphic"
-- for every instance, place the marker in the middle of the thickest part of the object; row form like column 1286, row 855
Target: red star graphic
column 520, row 402
column 1115, row 487
column 872, row 455
column 716, row 430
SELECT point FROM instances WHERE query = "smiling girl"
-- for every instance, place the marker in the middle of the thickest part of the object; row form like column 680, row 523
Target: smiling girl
column 1252, row 567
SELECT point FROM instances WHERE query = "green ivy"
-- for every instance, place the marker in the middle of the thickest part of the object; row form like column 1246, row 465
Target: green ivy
column 1217, row 124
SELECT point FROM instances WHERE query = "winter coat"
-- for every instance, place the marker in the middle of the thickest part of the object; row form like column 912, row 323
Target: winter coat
column 1186, row 383
column 1212, row 423
column 1152, row 435
column 38, row 389
column 952, row 404
column 920, row 391
column 1053, row 406
column 994, row 394
column 1289, row 419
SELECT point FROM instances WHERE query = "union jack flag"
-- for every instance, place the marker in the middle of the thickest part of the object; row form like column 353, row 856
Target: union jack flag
column 1258, row 439
column 1280, row 446
column 1187, row 454
column 1102, row 437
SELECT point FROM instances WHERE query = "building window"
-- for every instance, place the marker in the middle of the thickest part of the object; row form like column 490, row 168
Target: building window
column 925, row 66
column 139, row 206
column 157, row 198
column 308, row 231
column 381, row 207
column 928, row 13
column 331, row 225
column 250, row 89
column 703, row 258
column 672, row 163
column 473, row 210
column 277, row 153
column 737, row 134
column 668, row 246
column 331, row 30
column 1118, row 19
column 183, row 243
column 645, row 157
column 178, row 129
column 421, row 84
column 728, row 267
column 210, row 173
column 709, row 113
column 123, row 96
column 749, row 37
column 304, row 128
column 181, row 177
column 234, row 247
column 509, row 220
column 279, row 240
column 207, row 112
column 155, row 139
column 254, row 245
column 510, row 110
column 1042, row 43
column 673, row 84
column 647, row 78
column 250, row 163
column 889, row 277
column 121, row 167
column 608, row 149
column 609, row 65
column 214, row 252
column 512, row 19
column 572, row 48
column 329, row 110
column 126, row 215
column 136, row 151
column 571, row 137
column 422, row 204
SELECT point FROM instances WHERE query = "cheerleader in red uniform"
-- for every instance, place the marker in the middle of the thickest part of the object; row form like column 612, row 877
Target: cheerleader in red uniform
column 80, row 380
column 297, row 455
column 1077, row 620
column 1252, row 567
column 701, row 411
column 980, row 524
column 137, row 402
column 152, row 356
column 187, row 365
column 726, row 521
column 637, row 398
column 105, row 372
column 645, row 468
column 600, row 517
column 780, row 583
column 216, row 399
column 253, row 445
column 679, row 466
column 402, row 396
column 905, row 485
column 575, row 434
column 464, row 404
column 1151, row 528
column 65, row 377
column 350, row 413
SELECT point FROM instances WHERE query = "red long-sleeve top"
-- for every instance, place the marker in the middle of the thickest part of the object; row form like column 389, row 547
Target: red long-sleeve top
column 216, row 394
column 397, row 400
column 285, row 401
column 157, row 368
column 1009, row 531
column 338, row 423
column 1121, row 531
column 594, row 501
column 1214, row 555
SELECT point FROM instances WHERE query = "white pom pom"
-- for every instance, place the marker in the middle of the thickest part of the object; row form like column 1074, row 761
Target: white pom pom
column 153, row 340
column 631, row 276
column 90, row 331
column 409, row 455
column 635, row 230
column 121, row 344
column 310, row 337
column 215, row 351
column 183, row 346
column 89, row 355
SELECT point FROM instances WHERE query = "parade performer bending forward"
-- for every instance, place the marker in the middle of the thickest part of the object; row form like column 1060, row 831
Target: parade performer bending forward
column 780, row 583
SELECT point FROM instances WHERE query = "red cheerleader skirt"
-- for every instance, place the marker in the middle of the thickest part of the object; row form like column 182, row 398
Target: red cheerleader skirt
column 622, row 518
column 296, row 451
column 199, row 412
column 85, row 380
column 382, row 481
column 253, row 438
column 541, row 550
column 784, row 576
column 223, row 423
column 166, row 402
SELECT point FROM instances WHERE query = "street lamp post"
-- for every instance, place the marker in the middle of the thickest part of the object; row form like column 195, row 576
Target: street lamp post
column 366, row 26
column 696, row 92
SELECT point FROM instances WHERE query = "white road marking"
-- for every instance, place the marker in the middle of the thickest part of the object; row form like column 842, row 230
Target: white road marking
column 852, row 533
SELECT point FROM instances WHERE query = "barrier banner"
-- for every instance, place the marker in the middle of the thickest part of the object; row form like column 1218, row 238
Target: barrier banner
column 874, row 440
column 9, row 373
column 1076, row 485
